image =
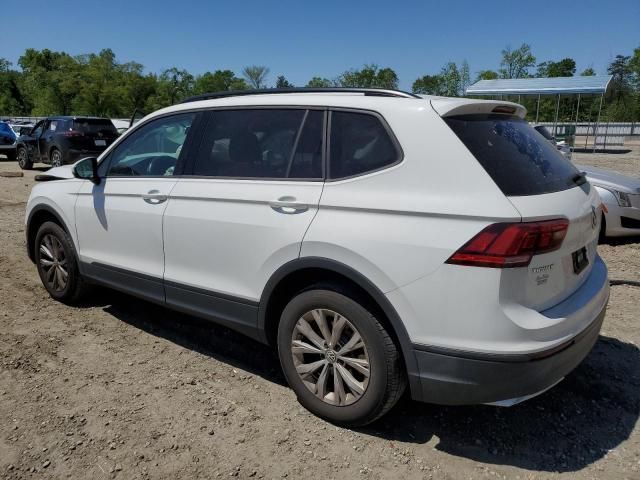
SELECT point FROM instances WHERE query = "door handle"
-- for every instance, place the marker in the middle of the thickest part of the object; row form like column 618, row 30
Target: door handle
column 288, row 205
column 154, row 197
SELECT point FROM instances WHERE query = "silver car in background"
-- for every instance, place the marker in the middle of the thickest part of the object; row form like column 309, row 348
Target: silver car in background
column 621, row 196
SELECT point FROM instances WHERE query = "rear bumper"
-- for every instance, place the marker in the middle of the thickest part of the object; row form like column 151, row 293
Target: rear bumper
column 462, row 378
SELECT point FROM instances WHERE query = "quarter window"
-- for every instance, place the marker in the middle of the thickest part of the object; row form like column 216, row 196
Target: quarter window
column 262, row 143
column 359, row 144
column 152, row 150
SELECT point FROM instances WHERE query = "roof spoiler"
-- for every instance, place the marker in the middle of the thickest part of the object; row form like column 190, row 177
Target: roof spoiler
column 447, row 107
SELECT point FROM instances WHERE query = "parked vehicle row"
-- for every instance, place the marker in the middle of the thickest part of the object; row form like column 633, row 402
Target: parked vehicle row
column 379, row 240
column 60, row 140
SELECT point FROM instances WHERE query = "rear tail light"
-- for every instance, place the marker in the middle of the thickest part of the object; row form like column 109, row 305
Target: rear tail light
column 72, row 133
column 508, row 245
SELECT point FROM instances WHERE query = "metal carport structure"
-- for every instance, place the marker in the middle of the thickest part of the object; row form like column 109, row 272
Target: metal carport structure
column 547, row 86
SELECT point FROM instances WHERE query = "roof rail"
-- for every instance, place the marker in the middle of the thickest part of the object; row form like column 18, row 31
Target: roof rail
column 373, row 92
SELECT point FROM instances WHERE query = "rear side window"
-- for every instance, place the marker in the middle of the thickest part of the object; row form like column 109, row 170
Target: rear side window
column 518, row 159
column 95, row 125
column 359, row 144
column 262, row 143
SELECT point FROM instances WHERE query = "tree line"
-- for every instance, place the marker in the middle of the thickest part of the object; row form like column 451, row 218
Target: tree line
column 49, row 82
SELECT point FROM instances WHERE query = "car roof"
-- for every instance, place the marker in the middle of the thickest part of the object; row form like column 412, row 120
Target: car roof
column 444, row 106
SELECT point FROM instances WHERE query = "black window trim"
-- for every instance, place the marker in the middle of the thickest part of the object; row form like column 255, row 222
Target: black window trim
column 306, row 108
column 385, row 125
column 187, row 163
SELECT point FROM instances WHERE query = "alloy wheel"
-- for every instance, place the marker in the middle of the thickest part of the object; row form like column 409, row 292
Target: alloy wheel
column 22, row 157
column 56, row 158
column 53, row 263
column 330, row 357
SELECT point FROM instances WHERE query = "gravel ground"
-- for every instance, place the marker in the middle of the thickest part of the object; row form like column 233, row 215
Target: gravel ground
column 121, row 388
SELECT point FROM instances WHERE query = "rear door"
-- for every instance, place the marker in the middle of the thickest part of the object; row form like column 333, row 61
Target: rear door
column 243, row 209
column 542, row 185
column 119, row 221
column 43, row 139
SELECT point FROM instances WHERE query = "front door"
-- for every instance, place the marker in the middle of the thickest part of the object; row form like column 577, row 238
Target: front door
column 119, row 221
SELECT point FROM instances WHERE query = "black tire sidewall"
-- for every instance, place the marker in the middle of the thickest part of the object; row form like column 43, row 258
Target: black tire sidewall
column 28, row 164
column 373, row 399
column 74, row 276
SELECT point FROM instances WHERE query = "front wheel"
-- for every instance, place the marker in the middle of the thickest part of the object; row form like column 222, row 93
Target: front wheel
column 57, row 264
column 338, row 358
column 23, row 159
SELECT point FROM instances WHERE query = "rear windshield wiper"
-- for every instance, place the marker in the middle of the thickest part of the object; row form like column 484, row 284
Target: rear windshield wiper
column 579, row 178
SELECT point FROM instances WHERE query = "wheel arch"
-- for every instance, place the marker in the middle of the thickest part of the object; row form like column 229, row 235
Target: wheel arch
column 37, row 216
column 298, row 274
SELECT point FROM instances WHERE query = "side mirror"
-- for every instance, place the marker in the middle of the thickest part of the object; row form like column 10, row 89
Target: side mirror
column 87, row 168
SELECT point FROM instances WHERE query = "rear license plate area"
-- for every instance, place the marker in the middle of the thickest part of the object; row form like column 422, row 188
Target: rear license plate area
column 101, row 143
column 580, row 260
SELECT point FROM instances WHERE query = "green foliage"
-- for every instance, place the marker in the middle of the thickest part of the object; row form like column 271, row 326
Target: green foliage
column 486, row 75
column 218, row 81
column 256, row 75
column 429, row 85
column 282, row 82
column 370, row 76
column 516, row 63
column 564, row 68
column 588, row 72
column 319, row 82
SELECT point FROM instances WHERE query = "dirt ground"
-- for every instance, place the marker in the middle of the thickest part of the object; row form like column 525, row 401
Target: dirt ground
column 121, row 388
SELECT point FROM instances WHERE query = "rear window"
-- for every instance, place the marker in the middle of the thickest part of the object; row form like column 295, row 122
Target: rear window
column 95, row 125
column 517, row 158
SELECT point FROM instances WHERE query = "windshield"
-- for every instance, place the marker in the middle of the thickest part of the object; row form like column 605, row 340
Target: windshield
column 517, row 158
column 544, row 132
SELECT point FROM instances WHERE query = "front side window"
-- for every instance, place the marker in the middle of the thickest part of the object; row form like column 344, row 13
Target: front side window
column 359, row 144
column 152, row 150
column 262, row 143
column 37, row 130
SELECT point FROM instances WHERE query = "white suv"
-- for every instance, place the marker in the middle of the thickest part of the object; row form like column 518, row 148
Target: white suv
column 378, row 239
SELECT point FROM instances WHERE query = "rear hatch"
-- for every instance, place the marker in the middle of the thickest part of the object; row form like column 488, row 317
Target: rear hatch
column 542, row 185
column 94, row 134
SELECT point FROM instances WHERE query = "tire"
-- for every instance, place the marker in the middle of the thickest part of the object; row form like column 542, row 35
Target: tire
column 371, row 396
column 602, row 237
column 54, row 251
column 24, row 162
column 55, row 157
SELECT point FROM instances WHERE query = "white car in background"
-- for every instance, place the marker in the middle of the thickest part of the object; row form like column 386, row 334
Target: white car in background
column 379, row 240
column 621, row 197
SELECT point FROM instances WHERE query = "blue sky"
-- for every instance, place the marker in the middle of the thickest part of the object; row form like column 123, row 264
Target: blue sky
column 303, row 39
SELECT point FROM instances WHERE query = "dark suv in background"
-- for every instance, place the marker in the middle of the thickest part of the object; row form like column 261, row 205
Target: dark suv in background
column 60, row 140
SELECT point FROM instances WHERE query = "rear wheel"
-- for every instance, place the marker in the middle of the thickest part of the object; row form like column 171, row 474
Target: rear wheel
column 57, row 264
column 23, row 159
column 55, row 158
column 339, row 360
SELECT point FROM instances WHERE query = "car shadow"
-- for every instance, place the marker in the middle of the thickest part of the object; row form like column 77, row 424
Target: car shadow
column 193, row 333
column 576, row 423
column 616, row 241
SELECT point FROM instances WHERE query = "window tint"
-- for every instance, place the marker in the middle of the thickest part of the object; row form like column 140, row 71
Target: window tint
column 517, row 158
column 153, row 149
column 359, row 144
column 262, row 143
